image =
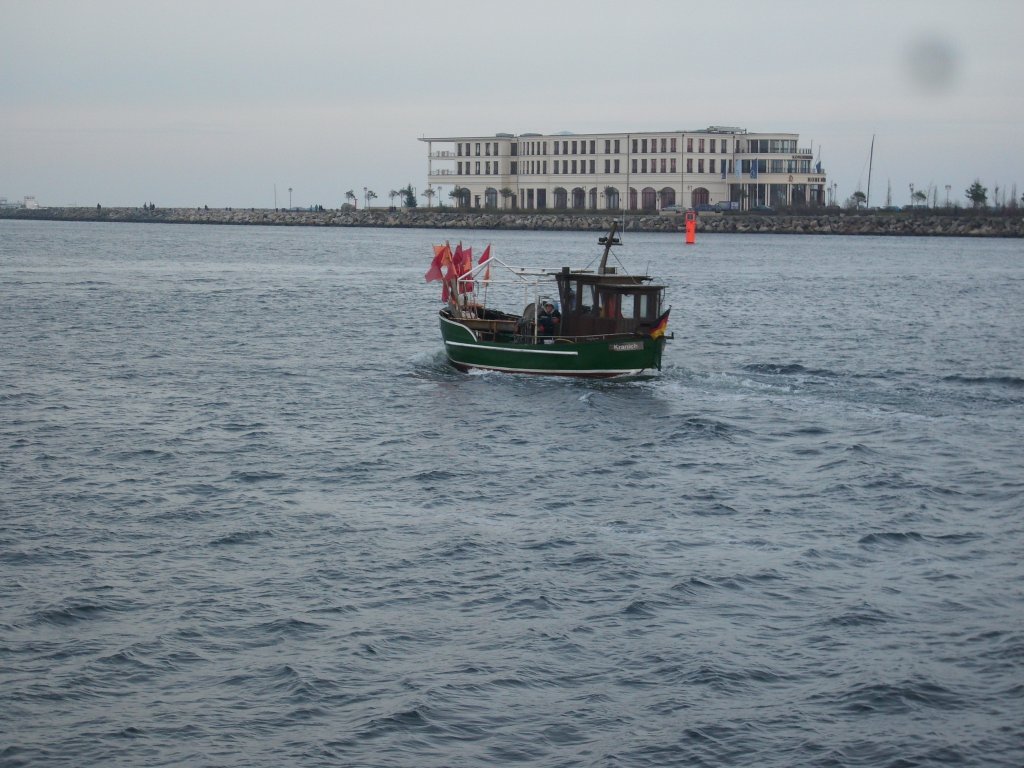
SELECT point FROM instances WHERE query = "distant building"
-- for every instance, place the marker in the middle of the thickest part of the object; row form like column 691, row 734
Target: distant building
column 717, row 166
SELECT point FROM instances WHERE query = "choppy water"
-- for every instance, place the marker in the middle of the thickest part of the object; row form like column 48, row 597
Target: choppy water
column 251, row 518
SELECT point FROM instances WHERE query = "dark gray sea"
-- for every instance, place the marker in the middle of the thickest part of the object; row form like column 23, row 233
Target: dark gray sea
column 251, row 518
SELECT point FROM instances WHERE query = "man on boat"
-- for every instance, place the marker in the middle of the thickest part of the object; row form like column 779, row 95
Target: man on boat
column 548, row 320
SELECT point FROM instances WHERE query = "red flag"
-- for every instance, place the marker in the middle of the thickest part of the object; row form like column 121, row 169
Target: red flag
column 467, row 267
column 446, row 260
column 434, row 273
column 486, row 257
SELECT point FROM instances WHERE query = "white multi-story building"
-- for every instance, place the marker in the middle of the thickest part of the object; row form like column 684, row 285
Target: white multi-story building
column 717, row 166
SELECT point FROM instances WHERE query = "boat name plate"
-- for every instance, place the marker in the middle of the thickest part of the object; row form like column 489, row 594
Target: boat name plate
column 626, row 346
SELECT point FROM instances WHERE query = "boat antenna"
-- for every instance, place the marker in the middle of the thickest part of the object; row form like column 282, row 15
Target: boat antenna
column 607, row 242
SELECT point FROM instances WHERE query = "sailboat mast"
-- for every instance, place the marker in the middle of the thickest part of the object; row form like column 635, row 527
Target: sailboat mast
column 871, row 160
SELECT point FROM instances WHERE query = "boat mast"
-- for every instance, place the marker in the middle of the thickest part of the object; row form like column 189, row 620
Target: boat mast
column 608, row 242
column 871, row 159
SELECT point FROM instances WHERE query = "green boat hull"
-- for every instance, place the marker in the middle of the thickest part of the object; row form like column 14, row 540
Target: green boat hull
column 605, row 357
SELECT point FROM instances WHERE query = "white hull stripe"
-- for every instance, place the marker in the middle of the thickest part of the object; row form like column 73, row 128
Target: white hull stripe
column 548, row 371
column 513, row 349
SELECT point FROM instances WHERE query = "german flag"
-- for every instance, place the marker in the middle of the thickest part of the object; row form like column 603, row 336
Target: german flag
column 659, row 327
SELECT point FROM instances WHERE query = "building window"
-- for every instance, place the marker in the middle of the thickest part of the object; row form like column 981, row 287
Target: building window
column 616, row 149
column 556, row 147
column 478, row 149
column 711, row 163
column 459, row 170
column 672, row 165
column 607, row 146
column 574, row 147
column 545, row 170
column 689, row 145
column 574, row 166
column 643, row 145
column 616, row 166
column 607, row 166
column 700, row 145
column 635, row 145
column 487, row 148
column 592, row 165
column 643, row 165
column 673, row 143
column 724, row 143
column 513, row 168
column 713, row 151
column 689, row 165
column 664, row 165
column 593, row 147
column 477, row 171
column 700, row 165
column 633, row 164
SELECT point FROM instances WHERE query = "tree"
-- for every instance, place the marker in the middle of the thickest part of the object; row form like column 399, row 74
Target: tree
column 370, row 195
column 977, row 194
column 429, row 194
column 920, row 197
column 393, row 194
column 351, row 197
column 410, row 195
column 858, row 198
column 506, row 193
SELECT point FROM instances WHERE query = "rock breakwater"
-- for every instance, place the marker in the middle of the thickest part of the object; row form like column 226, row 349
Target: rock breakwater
column 948, row 223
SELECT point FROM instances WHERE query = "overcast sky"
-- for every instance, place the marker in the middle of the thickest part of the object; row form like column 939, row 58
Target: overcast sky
column 215, row 102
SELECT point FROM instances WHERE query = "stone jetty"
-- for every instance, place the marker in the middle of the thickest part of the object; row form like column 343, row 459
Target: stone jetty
column 923, row 222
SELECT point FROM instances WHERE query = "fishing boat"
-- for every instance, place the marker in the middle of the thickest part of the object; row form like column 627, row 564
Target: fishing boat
column 575, row 322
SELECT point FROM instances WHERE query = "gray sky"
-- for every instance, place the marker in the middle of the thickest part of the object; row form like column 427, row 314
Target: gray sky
column 192, row 103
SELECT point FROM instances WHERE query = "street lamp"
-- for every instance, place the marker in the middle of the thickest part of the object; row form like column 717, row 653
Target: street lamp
column 948, row 187
column 366, row 202
column 289, row 198
column 912, row 195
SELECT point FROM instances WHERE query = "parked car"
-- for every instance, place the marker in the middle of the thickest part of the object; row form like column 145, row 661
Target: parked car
column 674, row 209
column 762, row 209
